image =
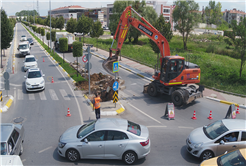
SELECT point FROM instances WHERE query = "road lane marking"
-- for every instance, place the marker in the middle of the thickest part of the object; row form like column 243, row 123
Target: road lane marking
column 45, row 149
column 64, row 94
column 23, row 160
column 144, row 113
column 183, row 127
column 53, row 94
column 19, row 94
column 155, row 126
column 42, row 96
column 31, row 96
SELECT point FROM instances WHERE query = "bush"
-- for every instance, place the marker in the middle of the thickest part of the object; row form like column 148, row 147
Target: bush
column 63, row 44
column 77, row 49
column 47, row 36
column 210, row 48
column 53, row 35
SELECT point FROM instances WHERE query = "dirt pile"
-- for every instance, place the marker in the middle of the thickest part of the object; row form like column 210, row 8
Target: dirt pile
column 99, row 83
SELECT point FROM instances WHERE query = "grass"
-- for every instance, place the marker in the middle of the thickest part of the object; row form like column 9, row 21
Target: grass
column 106, row 33
column 219, row 69
column 66, row 66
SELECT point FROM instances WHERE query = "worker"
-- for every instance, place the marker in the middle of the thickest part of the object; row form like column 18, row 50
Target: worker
column 96, row 105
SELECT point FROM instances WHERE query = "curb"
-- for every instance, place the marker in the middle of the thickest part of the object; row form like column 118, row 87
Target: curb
column 107, row 113
column 7, row 105
column 226, row 102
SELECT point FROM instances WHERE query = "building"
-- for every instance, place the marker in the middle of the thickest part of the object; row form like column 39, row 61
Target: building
column 167, row 12
column 229, row 15
column 156, row 5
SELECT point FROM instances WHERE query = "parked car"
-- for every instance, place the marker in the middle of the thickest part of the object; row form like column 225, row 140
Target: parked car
column 209, row 141
column 12, row 138
column 23, row 38
column 108, row 138
column 78, row 34
column 237, row 157
column 8, row 160
column 30, row 62
column 105, row 28
column 24, row 48
column 34, row 80
column 30, row 41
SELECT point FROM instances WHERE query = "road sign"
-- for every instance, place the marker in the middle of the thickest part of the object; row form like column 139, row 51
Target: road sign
column 6, row 75
column 87, row 66
column 115, row 86
column 115, row 97
column 169, row 112
column 6, row 81
column 88, row 56
column 84, row 59
column 1, row 96
column 115, row 66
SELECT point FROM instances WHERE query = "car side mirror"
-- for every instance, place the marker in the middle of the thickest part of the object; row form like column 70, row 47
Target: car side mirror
column 222, row 142
column 86, row 140
column 25, row 77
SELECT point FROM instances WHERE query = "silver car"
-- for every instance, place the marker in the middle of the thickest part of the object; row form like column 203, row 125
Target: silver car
column 12, row 138
column 108, row 138
column 217, row 138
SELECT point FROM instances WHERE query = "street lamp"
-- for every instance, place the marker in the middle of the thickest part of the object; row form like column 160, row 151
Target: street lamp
column 50, row 28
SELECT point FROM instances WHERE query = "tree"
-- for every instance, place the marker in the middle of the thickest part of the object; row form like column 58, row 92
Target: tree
column 40, row 21
column 96, row 30
column 84, row 25
column 53, row 36
column 71, row 25
column 77, row 51
column 240, row 41
column 63, row 45
column 48, row 38
column 6, row 32
column 213, row 13
column 186, row 16
column 60, row 23
column 42, row 33
column 53, row 22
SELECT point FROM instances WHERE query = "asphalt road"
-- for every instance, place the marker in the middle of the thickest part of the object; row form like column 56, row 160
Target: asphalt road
column 45, row 120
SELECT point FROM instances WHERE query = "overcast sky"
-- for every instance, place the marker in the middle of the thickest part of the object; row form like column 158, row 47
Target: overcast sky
column 13, row 6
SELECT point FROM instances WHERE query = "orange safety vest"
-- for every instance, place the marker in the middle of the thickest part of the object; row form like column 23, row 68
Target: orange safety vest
column 97, row 102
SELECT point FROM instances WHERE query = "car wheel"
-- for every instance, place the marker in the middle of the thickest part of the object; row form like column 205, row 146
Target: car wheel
column 129, row 157
column 207, row 154
column 72, row 155
column 21, row 149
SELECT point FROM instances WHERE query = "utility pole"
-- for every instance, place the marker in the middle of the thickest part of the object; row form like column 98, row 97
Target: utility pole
column 34, row 13
column 50, row 29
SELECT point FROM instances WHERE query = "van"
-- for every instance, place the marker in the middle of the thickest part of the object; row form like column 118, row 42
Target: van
column 24, row 48
column 7, row 160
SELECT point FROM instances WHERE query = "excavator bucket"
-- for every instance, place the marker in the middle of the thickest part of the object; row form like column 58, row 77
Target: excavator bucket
column 108, row 63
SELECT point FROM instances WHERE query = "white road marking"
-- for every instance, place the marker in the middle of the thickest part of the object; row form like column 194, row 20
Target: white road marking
column 144, row 113
column 183, row 127
column 134, row 84
column 53, row 94
column 23, row 160
column 31, row 96
column 42, row 96
column 14, row 95
column 64, row 94
column 155, row 126
column 45, row 149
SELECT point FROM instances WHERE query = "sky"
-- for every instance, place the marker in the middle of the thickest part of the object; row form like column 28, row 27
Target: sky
column 13, row 6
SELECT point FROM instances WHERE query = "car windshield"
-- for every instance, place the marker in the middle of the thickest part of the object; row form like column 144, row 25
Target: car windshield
column 215, row 129
column 24, row 46
column 3, row 148
column 134, row 128
column 86, row 129
column 34, row 74
column 233, row 158
column 29, row 39
column 30, row 59
column 23, row 36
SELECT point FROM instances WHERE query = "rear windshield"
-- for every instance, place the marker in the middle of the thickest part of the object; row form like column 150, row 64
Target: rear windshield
column 233, row 158
column 34, row 74
column 134, row 128
column 24, row 46
column 30, row 59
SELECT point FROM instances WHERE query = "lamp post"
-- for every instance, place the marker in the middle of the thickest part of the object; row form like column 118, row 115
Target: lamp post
column 50, row 29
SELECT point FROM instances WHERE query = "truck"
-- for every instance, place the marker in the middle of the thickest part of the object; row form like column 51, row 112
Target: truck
column 69, row 36
column 175, row 73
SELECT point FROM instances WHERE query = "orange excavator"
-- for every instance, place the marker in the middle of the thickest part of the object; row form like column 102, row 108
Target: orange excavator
column 175, row 73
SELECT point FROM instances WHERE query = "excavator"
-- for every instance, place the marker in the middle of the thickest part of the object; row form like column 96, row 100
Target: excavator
column 175, row 73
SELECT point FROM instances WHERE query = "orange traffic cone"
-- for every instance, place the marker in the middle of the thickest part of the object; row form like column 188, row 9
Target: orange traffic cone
column 194, row 116
column 43, row 59
column 237, row 112
column 52, row 81
column 68, row 113
column 210, row 116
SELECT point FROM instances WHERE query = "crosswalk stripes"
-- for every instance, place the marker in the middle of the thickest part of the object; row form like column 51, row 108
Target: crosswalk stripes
column 64, row 94
column 31, row 96
column 42, row 96
column 53, row 94
column 20, row 95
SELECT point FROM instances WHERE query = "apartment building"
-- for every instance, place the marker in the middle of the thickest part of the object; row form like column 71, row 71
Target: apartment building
column 234, row 14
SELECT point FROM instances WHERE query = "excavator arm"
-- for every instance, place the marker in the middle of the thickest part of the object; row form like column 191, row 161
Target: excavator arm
column 126, row 20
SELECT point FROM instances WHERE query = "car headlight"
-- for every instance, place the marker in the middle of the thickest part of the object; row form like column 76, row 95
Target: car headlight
column 42, row 82
column 197, row 145
column 28, row 83
column 61, row 144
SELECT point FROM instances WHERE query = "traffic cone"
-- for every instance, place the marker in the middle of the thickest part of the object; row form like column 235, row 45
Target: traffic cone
column 52, row 81
column 194, row 116
column 210, row 116
column 43, row 59
column 237, row 112
column 68, row 113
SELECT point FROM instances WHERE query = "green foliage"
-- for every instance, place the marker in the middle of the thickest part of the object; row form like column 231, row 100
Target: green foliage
column 42, row 31
column 53, row 22
column 40, row 21
column 213, row 13
column 60, row 23
column 210, row 48
column 53, row 35
column 48, row 36
column 63, row 44
column 38, row 30
column 96, row 29
column 34, row 28
column 223, row 26
column 84, row 24
column 26, row 13
column 6, row 31
column 228, row 41
column 165, row 29
column 77, row 49
column 186, row 18
column 71, row 25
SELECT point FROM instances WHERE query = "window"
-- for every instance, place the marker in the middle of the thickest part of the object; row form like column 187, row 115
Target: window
column 134, row 128
column 166, row 11
column 3, row 148
column 116, row 135
column 34, row 74
column 96, row 136
column 243, row 138
column 215, row 129
column 86, row 129
column 10, row 145
column 166, row 18
column 15, row 136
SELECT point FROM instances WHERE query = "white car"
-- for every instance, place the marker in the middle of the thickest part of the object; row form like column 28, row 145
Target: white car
column 34, row 80
column 23, row 38
column 30, row 62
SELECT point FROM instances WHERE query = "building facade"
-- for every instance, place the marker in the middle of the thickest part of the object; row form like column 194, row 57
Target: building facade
column 167, row 12
column 229, row 15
